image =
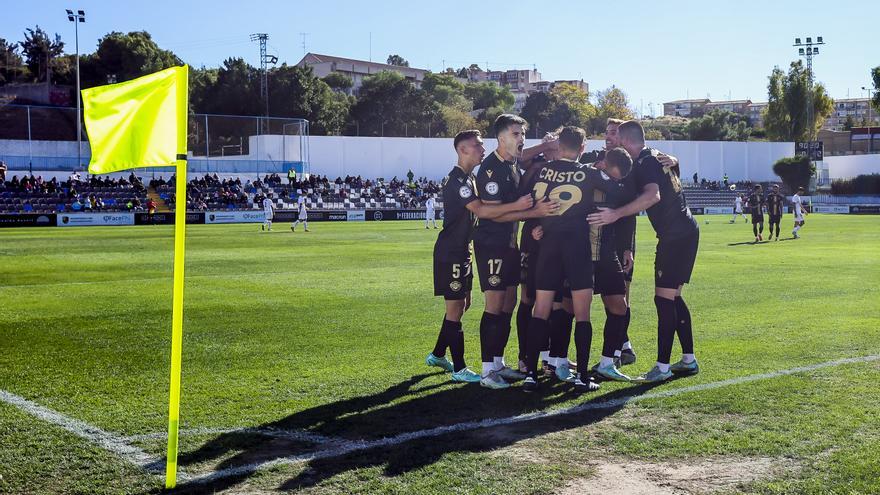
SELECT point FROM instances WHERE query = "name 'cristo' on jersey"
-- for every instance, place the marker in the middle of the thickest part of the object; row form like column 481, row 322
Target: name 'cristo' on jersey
column 571, row 184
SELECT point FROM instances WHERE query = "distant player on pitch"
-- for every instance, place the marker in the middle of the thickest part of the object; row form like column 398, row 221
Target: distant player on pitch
column 269, row 211
column 302, row 215
column 756, row 205
column 738, row 209
column 775, row 204
column 799, row 212
column 430, row 216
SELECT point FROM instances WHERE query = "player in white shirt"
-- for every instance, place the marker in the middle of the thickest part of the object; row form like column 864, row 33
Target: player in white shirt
column 738, row 209
column 429, row 211
column 799, row 212
column 303, row 215
column 269, row 210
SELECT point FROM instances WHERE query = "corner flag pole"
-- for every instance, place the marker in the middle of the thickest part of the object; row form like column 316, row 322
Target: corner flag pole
column 143, row 123
column 177, row 299
column 176, row 323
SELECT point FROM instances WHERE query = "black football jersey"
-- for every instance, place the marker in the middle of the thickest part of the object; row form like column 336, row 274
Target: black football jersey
column 670, row 217
column 756, row 203
column 458, row 222
column 497, row 180
column 572, row 185
column 775, row 204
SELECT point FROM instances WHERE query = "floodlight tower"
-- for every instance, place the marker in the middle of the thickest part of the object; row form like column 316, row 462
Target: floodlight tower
column 808, row 50
column 77, row 18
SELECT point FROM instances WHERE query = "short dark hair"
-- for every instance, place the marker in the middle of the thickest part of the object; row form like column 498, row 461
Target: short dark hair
column 620, row 159
column 758, row 186
column 631, row 130
column 614, row 121
column 572, row 137
column 506, row 120
column 464, row 136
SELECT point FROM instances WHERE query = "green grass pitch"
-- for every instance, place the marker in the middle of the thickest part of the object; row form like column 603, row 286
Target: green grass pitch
column 326, row 332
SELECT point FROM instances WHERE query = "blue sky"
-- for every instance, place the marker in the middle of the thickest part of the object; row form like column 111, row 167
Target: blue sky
column 655, row 52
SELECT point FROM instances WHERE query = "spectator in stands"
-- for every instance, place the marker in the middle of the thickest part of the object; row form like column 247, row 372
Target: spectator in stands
column 3, row 169
column 726, row 181
column 695, row 179
column 99, row 203
column 151, row 211
column 87, row 204
column 129, row 205
column 76, row 205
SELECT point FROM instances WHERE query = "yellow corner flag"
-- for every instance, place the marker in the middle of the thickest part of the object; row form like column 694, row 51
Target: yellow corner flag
column 142, row 123
column 138, row 123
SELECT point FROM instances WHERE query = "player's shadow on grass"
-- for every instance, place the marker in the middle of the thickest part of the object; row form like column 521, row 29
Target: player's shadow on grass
column 400, row 409
column 747, row 243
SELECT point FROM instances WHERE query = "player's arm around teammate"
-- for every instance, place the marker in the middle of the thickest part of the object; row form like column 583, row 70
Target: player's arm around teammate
column 453, row 272
column 678, row 240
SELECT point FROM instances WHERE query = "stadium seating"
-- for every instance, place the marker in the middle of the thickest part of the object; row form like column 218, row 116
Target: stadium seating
column 211, row 193
column 112, row 199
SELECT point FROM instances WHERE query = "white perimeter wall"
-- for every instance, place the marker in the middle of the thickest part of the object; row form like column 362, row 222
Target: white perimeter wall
column 386, row 157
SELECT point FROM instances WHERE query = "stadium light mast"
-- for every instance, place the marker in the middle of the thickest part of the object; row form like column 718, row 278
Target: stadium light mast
column 264, row 61
column 808, row 50
column 77, row 18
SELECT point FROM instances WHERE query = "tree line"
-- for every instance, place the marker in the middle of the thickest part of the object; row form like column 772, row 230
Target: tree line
column 387, row 104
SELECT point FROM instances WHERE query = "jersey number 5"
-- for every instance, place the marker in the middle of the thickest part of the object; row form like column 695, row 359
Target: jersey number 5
column 566, row 195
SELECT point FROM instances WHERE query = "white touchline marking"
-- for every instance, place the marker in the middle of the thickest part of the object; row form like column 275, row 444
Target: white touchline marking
column 334, row 447
column 298, row 435
column 488, row 423
column 106, row 440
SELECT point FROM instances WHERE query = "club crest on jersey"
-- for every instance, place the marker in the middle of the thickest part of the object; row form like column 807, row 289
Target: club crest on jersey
column 489, row 173
column 455, row 285
column 494, row 280
column 492, row 188
column 465, row 192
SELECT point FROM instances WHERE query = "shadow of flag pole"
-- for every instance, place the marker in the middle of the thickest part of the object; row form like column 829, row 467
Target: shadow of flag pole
column 143, row 123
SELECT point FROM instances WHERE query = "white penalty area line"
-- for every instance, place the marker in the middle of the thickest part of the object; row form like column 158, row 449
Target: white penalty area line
column 330, row 447
column 354, row 446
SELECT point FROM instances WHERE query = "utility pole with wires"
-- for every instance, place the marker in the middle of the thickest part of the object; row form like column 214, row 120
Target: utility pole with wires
column 304, row 41
column 264, row 72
